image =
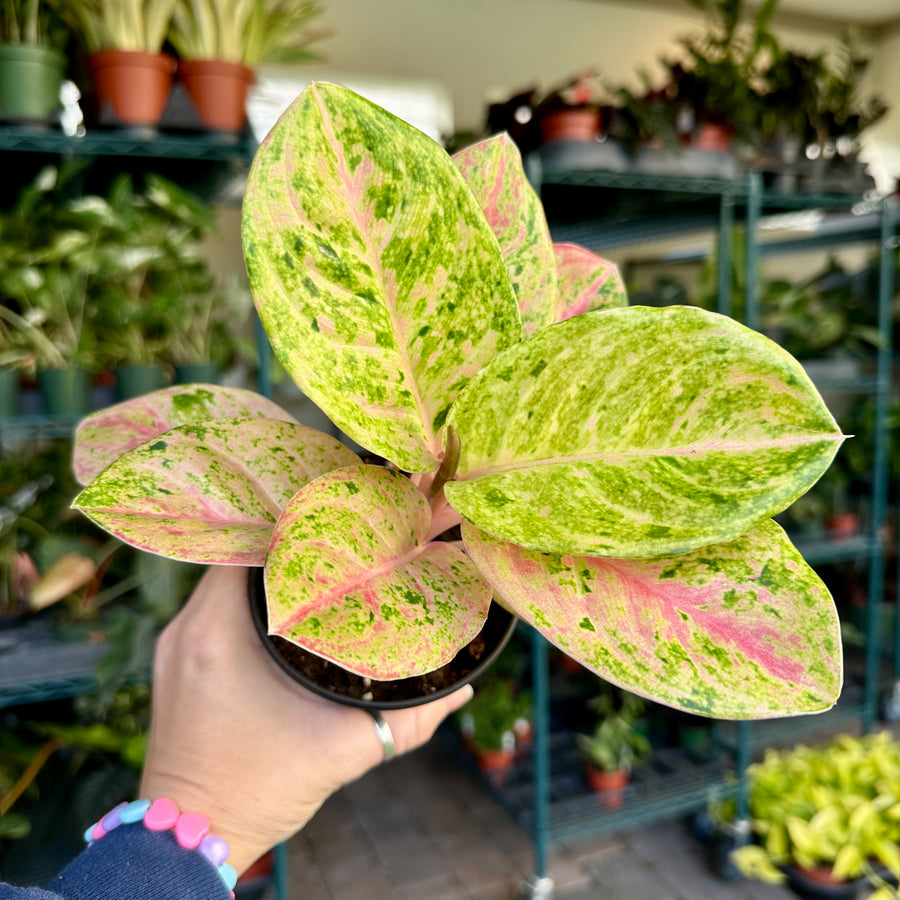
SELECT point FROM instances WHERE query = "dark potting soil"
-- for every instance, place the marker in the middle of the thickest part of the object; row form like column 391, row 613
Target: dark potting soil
column 331, row 678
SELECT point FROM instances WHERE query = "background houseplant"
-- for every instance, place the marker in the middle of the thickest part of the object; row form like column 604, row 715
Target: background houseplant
column 221, row 43
column 132, row 77
column 372, row 312
column 826, row 815
column 31, row 64
column 615, row 745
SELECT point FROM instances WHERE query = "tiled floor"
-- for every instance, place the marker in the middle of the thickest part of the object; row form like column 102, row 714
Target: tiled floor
column 423, row 828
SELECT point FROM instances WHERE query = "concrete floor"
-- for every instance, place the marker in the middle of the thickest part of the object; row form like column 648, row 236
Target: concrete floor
column 423, row 828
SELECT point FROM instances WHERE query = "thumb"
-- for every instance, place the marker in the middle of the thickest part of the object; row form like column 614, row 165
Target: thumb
column 425, row 719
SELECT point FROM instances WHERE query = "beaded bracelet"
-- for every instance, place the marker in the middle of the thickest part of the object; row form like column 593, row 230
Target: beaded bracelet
column 191, row 831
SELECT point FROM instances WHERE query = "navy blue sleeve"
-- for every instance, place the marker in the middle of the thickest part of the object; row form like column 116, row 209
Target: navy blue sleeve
column 131, row 863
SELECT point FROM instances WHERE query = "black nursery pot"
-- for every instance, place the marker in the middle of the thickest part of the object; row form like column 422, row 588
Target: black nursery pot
column 329, row 680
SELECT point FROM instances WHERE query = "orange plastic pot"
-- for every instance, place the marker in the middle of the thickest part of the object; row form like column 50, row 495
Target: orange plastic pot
column 132, row 87
column 496, row 764
column 609, row 786
column 570, row 125
column 218, row 91
column 713, row 137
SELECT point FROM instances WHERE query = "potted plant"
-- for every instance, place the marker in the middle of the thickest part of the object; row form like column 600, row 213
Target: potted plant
column 31, row 65
column 491, row 719
column 614, row 747
column 220, row 44
column 45, row 265
column 826, row 818
column 571, row 111
column 613, row 474
column 132, row 76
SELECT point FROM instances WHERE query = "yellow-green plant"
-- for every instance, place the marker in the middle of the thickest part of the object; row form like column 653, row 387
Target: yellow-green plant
column 835, row 806
column 139, row 25
column 246, row 31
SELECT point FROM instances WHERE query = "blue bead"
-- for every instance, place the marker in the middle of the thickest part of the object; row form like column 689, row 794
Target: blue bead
column 88, row 835
column 134, row 811
column 229, row 876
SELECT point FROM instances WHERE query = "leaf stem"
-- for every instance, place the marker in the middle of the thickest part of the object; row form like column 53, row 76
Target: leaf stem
column 449, row 463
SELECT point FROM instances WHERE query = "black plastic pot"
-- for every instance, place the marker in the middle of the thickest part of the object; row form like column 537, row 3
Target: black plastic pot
column 813, row 889
column 337, row 684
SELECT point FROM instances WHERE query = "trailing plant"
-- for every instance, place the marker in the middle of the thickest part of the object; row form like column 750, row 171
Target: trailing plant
column 834, row 805
column 613, row 469
column 139, row 25
column 247, row 31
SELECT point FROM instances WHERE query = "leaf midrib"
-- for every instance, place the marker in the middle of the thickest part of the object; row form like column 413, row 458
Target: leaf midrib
column 405, row 363
column 684, row 450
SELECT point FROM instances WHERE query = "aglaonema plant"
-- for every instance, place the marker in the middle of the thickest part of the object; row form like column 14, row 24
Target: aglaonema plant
column 614, row 469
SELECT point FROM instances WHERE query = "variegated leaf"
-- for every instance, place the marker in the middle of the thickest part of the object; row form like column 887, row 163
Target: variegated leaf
column 586, row 282
column 494, row 172
column 637, row 432
column 374, row 271
column 104, row 436
column 211, row 492
column 738, row 630
column 350, row 577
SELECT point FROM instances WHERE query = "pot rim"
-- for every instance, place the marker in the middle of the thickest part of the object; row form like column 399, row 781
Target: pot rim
column 256, row 592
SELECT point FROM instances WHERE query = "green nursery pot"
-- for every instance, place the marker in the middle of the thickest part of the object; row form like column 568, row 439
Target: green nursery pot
column 30, row 77
column 137, row 379
column 64, row 391
column 197, row 373
column 9, row 393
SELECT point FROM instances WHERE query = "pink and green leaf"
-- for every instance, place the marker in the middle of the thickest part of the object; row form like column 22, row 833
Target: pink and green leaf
column 637, row 432
column 374, row 271
column 586, row 282
column 351, row 577
column 739, row 630
column 493, row 170
column 210, row 492
column 104, row 436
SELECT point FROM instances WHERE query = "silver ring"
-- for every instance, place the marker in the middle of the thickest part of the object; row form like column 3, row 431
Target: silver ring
column 385, row 735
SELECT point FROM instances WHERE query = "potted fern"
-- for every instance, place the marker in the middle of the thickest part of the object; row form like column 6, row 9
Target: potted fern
column 132, row 76
column 613, row 470
column 221, row 43
column 31, row 65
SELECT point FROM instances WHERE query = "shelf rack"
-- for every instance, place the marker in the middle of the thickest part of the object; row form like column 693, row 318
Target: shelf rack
column 680, row 204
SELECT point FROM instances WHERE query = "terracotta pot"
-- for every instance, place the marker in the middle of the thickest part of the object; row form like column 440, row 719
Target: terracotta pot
column 496, row 764
column 609, row 785
column 842, row 526
column 218, row 91
column 132, row 87
column 713, row 137
column 570, row 125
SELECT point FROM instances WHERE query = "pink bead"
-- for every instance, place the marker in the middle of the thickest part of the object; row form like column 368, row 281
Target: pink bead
column 163, row 814
column 190, row 829
column 98, row 832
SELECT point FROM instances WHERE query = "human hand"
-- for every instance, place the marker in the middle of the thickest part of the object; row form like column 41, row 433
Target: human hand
column 234, row 738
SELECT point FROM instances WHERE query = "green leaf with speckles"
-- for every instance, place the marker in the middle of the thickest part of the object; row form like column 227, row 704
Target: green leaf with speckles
column 375, row 273
column 741, row 630
column 104, row 436
column 493, row 170
column 586, row 282
column 210, row 493
column 351, row 577
column 637, row 432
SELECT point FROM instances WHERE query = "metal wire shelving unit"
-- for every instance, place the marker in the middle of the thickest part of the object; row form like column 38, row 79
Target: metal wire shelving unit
column 614, row 209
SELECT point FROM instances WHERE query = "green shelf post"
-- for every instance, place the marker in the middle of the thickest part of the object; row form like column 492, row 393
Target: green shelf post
column 723, row 251
column 754, row 211
column 541, row 707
